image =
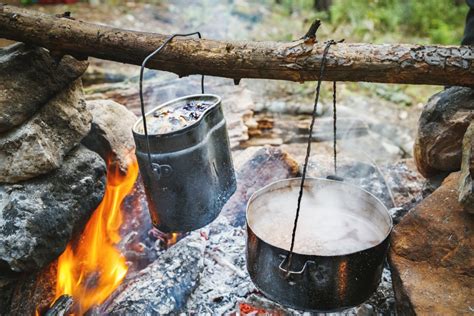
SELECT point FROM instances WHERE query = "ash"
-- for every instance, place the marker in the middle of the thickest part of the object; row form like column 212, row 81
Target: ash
column 224, row 280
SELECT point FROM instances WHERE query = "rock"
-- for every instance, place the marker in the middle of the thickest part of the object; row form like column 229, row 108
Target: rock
column 39, row 146
column 164, row 286
column 38, row 217
column 466, row 180
column 29, row 77
column 441, row 127
column 431, row 256
column 270, row 164
column 111, row 132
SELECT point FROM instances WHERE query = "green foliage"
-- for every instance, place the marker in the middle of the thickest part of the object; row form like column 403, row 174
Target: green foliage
column 434, row 21
column 421, row 21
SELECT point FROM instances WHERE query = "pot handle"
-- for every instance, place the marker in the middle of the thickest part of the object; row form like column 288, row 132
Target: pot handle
column 288, row 272
column 160, row 170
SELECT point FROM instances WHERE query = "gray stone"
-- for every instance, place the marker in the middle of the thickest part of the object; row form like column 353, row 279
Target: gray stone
column 39, row 146
column 441, row 127
column 111, row 132
column 29, row 77
column 466, row 180
column 38, row 217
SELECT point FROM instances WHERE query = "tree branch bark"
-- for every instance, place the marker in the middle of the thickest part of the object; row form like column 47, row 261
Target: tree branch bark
column 293, row 61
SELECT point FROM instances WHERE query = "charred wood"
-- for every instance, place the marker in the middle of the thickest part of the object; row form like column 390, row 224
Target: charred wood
column 61, row 306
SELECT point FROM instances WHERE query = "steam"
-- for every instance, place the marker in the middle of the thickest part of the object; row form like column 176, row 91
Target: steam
column 335, row 219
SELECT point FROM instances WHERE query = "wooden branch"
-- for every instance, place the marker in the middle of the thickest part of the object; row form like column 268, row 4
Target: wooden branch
column 294, row 61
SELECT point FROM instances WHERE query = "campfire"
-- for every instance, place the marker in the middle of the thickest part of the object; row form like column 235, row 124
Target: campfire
column 209, row 203
column 90, row 269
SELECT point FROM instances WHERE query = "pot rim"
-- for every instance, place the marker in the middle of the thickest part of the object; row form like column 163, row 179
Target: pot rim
column 217, row 101
column 376, row 199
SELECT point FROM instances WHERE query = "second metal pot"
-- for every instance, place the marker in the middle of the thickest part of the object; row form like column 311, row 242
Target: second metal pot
column 315, row 282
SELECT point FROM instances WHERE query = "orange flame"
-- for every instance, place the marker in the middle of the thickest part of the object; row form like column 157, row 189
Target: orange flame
column 93, row 269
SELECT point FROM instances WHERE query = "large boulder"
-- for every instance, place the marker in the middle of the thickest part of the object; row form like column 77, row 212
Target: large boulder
column 111, row 132
column 38, row 217
column 441, row 127
column 431, row 256
column 29, row 77
column 39, row 146
column 466, row 181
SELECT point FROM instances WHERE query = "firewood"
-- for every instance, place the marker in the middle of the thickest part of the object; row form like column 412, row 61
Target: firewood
column 61, row 306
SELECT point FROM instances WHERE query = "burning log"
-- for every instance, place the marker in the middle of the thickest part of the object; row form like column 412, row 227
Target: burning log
column 61, row 306
column 165, row 285
column 295, row 61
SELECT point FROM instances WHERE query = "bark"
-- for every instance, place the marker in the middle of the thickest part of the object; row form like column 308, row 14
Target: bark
column 293, row 61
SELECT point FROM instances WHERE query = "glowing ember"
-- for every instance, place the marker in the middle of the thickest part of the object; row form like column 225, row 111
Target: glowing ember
column 172, row 240
column 91, row 270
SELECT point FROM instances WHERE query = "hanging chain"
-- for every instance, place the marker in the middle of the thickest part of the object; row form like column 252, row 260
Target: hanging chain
column 308, row 150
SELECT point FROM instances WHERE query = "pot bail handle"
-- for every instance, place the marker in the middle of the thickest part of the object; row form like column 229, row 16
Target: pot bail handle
column 157, row 168
column 287, row 272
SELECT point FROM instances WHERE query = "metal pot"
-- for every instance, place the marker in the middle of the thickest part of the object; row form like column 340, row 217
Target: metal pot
column 190, row 176
column 317, row 282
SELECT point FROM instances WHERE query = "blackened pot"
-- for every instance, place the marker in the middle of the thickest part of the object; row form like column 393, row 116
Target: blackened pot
column 196, row 172
column 315, row 282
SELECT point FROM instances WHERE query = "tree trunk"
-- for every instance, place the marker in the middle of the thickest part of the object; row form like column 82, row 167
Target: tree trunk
column 293, row 61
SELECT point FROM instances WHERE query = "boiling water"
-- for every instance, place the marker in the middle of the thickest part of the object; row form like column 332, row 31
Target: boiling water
column 326, row 226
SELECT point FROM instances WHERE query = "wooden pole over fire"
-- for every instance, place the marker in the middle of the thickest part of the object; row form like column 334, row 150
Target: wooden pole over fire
column 294, row 61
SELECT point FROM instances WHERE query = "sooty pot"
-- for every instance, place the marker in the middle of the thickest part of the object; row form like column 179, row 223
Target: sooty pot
column 316, row 282
column 190, row 176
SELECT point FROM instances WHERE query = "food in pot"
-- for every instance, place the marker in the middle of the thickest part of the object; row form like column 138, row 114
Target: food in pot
column 329, row 222
column 175, row 117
